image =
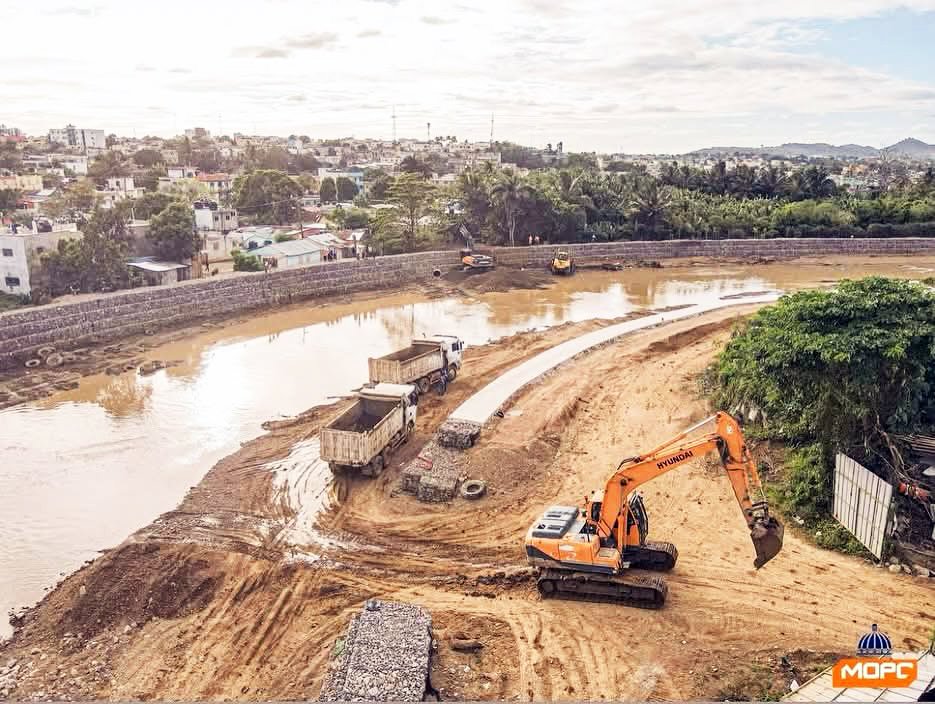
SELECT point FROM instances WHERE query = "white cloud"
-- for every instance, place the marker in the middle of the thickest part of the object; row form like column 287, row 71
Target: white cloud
column 668, row 75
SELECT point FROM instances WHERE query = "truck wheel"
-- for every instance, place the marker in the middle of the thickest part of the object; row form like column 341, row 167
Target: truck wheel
column 423, row 385
column 376, row 466
column 409, row 430
column 452, row 372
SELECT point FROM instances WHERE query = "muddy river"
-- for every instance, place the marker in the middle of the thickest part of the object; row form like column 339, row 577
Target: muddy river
column 83, row 469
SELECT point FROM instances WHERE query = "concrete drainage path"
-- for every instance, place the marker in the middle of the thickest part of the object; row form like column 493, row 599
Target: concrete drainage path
column 481, row 406
column 434, row 475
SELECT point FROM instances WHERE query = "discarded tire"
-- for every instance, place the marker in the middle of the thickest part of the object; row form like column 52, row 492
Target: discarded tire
column 437, row 273
column 44, row 352
column 54, row 360
column 473, row 489
column 69, row 357
column 33, row 363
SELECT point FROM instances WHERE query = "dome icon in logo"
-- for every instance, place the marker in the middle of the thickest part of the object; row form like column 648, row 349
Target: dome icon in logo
column 875, row 643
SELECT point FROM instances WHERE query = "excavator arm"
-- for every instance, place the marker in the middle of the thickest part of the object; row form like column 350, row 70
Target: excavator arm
column 609, row 515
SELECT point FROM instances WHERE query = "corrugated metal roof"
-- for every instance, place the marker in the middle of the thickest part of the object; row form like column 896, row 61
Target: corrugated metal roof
column 157, row 266
column 292, row 248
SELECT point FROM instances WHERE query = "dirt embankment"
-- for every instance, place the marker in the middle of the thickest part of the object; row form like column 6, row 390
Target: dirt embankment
column 213, row 600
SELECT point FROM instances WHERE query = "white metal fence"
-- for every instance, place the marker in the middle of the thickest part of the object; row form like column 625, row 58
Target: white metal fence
column 861, row 502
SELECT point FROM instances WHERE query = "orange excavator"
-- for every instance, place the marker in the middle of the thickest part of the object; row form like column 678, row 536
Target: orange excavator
column 583, row 552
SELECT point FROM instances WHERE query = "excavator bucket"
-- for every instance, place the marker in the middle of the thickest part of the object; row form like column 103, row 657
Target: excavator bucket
column 767, row 540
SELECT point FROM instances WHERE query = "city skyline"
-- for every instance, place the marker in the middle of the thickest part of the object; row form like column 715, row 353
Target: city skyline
column 670, row 78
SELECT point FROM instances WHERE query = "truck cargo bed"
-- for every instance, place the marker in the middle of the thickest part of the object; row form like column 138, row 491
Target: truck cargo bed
column 363, row 415
column 418, row 360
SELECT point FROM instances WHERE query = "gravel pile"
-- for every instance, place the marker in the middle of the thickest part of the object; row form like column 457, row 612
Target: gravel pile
column 384, row 655
column 460, row 434
column 435, row 474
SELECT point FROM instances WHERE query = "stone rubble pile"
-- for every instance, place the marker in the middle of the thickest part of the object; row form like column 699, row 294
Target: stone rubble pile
column 460, row 434
column 384, row 655
column 434, row 475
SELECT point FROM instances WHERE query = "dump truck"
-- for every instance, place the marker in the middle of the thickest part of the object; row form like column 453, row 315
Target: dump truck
column 362, row 437
column 422, row 363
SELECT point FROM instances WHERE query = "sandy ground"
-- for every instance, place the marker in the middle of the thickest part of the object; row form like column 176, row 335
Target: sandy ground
column 231, row 596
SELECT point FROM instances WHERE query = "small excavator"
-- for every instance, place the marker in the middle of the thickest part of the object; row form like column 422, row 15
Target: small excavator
column 562, row 263
column 583, row 552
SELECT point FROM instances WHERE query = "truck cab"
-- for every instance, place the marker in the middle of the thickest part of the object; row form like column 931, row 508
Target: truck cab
column 452, row 348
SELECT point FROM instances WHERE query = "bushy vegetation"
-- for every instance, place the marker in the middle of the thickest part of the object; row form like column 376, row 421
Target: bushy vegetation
column 246, row 262
column 844, row 369
column 561, row 205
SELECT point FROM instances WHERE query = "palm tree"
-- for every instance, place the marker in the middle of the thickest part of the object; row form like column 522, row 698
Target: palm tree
column 818, row 183
column 649, row 204
column 569, row 189
column 510, row 191
column 769, row 182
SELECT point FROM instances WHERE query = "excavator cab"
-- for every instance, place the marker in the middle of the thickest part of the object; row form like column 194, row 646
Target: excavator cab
column 637, row 516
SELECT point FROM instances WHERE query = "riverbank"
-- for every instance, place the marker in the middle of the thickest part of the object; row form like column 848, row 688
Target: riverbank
column 241, row 591
column 55, row 368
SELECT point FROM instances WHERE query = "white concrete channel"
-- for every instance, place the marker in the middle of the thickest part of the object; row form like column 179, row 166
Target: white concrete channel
column 486, row 402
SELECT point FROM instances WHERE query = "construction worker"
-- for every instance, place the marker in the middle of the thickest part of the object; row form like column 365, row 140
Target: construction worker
column 443, row 382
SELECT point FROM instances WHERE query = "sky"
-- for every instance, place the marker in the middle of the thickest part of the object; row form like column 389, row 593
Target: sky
column 663, row 76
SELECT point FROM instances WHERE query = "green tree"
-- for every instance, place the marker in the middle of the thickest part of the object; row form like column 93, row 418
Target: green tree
column 509, row 192
column 411, row 195
column 327, row 191
column 377, row 182
column 8, row 199
column 246, row 262
column 75, row 199
column 846, row 368
column 413, row 165
column 346, row 188
column 97, row 262
column 147, row 158
column 649, row 204
column 268, row 196
column 107, row 165
column 149, row 204
column 172, row 232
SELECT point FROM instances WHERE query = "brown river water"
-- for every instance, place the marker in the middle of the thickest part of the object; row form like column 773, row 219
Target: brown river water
column 83, row 469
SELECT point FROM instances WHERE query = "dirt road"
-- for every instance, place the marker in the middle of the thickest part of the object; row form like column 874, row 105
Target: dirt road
column 225, row 598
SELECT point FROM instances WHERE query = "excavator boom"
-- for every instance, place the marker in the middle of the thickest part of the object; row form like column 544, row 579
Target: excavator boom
column 581, row 552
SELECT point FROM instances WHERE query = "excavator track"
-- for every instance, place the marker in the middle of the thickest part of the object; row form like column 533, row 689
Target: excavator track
column 647, row 592
column 660, row 557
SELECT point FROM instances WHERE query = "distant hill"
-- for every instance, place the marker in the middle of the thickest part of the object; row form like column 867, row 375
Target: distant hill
column 913, row 148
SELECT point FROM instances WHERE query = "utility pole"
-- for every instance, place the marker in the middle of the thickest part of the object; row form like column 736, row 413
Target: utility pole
column 394, row 124
column 428, row 131
column 491, row 129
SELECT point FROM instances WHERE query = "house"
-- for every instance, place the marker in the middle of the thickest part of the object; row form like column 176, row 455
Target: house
column 21, row 182
column 118, row 188
column 208, row 216
column 292, row 254
column 176, row 173
column 72, row 136
column 354, row 175
column 158, row 273
column 20, row 254
column 220, row 246
column 170, row 156
column 218, row 184
column 33, row 202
